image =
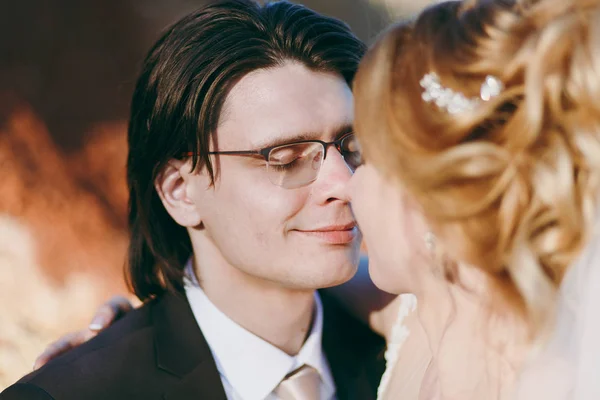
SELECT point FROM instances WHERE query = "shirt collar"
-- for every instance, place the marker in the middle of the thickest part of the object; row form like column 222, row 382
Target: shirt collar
column 252, row 366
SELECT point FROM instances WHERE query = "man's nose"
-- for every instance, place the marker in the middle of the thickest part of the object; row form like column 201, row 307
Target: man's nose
column 333, row 176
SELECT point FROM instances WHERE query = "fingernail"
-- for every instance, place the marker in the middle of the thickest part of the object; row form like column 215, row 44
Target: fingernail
column 97, row 324
column 95, row 327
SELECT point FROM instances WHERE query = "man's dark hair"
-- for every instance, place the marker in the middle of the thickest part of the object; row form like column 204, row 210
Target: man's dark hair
column 178, row 100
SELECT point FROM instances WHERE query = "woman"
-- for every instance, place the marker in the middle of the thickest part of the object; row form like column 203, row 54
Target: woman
column 480, row 133
column 480, row 120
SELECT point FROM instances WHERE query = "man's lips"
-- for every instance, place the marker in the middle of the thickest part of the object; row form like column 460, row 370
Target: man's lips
column 333, row 234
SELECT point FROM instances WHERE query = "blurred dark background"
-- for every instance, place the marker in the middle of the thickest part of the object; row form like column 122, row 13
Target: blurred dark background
column 74, row 62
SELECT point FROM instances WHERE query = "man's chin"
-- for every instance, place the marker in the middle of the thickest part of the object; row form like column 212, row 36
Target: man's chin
column 338, row 277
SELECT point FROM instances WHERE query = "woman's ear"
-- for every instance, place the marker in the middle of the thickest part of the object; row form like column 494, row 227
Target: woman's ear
column 172, row 186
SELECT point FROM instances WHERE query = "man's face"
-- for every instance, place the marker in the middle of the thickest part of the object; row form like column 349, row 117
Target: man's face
column 265, row 230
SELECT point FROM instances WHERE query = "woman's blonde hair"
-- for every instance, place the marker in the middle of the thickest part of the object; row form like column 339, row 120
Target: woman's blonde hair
column 512, row 184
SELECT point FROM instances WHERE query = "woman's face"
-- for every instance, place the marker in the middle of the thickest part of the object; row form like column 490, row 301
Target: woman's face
column 393, row 228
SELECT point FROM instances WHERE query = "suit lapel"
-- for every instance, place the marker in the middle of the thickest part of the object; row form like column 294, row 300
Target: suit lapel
column 203, row 382
column 182, row 351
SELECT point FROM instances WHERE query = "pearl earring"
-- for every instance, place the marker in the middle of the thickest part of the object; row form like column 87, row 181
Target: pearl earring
column 429, row 238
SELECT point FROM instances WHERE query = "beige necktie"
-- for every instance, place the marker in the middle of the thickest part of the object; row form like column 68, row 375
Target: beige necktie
column 300, row 384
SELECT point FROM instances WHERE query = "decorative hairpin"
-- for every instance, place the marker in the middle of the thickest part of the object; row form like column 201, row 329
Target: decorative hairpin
column 456, row 102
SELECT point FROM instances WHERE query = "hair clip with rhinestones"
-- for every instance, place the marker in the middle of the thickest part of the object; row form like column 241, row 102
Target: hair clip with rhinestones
column 456, row 102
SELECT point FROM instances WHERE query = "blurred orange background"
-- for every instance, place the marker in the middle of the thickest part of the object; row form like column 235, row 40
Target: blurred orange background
column 67, row 70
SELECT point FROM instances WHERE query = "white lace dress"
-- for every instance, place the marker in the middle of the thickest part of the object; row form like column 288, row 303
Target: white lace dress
column 399, row 335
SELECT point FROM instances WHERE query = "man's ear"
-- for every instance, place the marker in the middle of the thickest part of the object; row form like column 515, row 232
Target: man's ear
column 172, row 188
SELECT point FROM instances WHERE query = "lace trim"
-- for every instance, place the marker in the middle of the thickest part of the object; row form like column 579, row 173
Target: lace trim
column 400, row 333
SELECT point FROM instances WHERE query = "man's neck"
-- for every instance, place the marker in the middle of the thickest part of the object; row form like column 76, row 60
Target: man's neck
column 278, row 315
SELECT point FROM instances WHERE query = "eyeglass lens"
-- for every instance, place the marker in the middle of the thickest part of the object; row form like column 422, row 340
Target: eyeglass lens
column 296, row 165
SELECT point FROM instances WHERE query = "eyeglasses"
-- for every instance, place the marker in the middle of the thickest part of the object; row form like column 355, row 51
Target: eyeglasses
column 297, row 164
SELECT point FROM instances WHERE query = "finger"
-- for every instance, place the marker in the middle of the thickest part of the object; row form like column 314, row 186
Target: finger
column 61, row 346
column 109, row 312
column 105, row 315
column 120, row 305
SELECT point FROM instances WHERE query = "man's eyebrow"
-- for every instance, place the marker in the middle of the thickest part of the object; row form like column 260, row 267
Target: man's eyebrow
column 299, row 137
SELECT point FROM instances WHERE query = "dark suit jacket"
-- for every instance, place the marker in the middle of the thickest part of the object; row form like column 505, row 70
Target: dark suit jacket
column 158, row 352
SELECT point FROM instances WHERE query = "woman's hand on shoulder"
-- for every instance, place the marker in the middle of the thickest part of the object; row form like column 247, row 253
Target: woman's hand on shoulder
column 105, row 316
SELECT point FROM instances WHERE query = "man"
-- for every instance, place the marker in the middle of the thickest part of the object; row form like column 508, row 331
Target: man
column 240, row 143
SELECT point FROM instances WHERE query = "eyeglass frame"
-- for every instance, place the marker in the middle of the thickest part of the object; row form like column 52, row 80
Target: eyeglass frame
column 267, row 150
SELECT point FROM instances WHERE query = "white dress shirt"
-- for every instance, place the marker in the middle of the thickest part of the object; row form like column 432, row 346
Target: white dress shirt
column 250, row 367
